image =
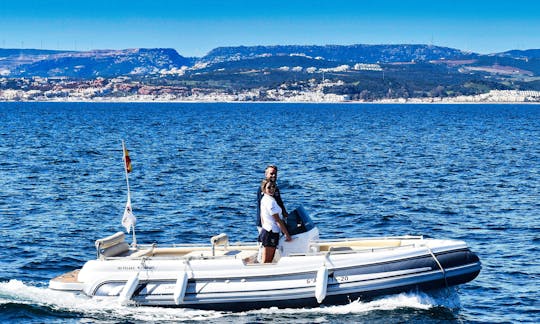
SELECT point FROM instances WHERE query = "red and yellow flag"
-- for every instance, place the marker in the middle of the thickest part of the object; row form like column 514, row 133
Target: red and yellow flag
column 127, row 160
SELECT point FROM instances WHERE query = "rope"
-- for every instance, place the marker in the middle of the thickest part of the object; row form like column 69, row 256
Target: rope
column 440, row 266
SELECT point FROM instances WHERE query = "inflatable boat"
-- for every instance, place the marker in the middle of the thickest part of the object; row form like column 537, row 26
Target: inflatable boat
column 306, row 272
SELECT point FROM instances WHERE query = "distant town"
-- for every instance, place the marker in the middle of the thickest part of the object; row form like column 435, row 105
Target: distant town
column 356, row 73
column 124, row 90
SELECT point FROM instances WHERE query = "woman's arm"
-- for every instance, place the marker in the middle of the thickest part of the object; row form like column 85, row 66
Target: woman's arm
column 282, row 226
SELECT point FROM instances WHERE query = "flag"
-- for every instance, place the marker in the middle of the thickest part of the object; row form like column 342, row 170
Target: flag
column 128, row 220
column 127, row 160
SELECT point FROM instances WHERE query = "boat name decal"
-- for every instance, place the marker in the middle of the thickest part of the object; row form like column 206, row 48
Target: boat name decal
column 128, row 268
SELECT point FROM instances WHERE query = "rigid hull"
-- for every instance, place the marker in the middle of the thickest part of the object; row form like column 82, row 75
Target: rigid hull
column 228, row 277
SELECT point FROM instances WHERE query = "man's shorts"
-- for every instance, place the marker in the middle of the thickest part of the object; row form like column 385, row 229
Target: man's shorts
column 268, row 239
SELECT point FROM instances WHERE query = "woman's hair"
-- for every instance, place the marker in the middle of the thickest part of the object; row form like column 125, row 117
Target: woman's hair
column 265, row 182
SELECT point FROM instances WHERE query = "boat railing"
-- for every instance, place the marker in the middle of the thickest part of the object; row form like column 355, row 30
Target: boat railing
column 372, row 238
column 353, row 250
column 369, row 244
column 220, row 248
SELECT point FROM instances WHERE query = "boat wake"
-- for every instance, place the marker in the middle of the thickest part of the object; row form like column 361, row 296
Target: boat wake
column 17, row 296
column 444, row 298
column 66, row 304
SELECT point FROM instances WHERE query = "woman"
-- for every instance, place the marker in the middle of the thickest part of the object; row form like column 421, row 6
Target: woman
column 272, row 221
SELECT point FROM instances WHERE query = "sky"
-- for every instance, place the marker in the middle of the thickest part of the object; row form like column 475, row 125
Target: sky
column 195, row 27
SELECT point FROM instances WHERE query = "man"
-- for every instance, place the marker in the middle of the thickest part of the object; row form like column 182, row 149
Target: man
column 270, row 173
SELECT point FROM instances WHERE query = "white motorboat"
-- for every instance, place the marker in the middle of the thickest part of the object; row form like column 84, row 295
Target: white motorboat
column 306, row 272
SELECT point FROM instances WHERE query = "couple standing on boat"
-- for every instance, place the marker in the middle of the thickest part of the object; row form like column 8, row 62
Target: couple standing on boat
column 270, row 214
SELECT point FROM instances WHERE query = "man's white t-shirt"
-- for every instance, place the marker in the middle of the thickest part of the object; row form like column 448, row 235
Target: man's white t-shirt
column 270, row 207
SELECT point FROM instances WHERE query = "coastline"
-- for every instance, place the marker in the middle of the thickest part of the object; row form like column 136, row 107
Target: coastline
column 492, row 97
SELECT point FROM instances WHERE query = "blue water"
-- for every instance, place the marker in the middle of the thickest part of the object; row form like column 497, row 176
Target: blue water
column 467, row 172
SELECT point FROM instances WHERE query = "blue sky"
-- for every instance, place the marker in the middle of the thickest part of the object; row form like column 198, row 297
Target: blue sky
column 195, row 27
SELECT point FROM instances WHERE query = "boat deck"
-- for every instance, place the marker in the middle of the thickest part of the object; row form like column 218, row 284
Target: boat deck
column 248, row 252
column 69, row 277
column 67, row 281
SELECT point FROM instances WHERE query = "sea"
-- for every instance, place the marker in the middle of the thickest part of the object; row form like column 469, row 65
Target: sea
column 466, row 172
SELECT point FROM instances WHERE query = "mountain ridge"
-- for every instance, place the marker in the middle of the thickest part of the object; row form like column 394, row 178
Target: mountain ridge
column 357, row 72
column 27, row 60
column 346, row 53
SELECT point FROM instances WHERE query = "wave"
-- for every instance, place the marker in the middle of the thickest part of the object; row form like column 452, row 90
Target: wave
column 413, row 300
column 41, row 301
column 18, row 298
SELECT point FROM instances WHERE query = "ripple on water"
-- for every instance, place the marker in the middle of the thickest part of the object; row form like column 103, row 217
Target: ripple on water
column 457, row 171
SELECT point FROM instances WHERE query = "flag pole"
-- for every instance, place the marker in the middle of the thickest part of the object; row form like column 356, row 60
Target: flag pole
column 126, row 171
column 134, row 243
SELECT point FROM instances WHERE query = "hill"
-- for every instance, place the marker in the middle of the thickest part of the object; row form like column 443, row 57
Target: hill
column 91, row 64
column 350, row 72
column 342, row 53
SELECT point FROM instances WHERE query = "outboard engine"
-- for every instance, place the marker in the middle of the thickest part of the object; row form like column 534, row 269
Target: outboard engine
column 303, row 231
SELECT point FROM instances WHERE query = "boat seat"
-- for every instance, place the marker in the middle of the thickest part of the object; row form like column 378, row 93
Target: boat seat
column 221, row 239
column 111, row 246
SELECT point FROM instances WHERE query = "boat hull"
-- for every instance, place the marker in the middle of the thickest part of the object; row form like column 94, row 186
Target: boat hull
column 343, row 286
column 337, row 273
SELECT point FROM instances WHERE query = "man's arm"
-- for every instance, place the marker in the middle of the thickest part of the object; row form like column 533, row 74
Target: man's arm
column 277, row 197
column 258, row 221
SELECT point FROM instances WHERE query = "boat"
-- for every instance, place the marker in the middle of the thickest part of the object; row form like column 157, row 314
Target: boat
column 307, row 272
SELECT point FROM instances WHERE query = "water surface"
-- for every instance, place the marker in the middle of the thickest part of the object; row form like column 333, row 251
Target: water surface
column 467, row 172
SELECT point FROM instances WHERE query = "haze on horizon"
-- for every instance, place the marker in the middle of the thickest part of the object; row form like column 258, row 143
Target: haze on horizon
column 195, row 27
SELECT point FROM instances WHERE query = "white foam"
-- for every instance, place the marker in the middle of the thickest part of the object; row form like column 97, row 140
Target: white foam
column 414, row 300
column 16, row 291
